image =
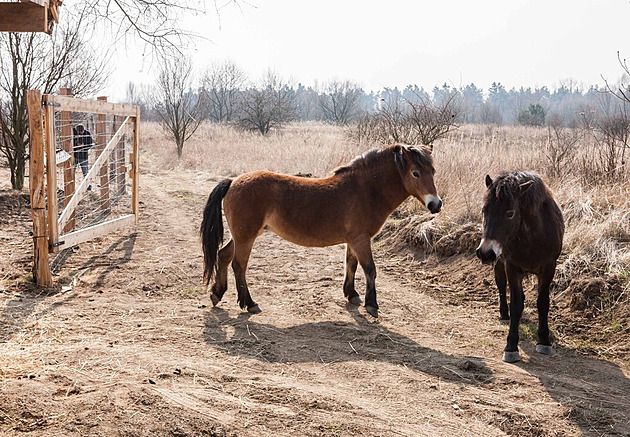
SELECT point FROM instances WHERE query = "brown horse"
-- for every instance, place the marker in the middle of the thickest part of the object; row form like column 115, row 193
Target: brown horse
column 522, row 233
column 348, row 207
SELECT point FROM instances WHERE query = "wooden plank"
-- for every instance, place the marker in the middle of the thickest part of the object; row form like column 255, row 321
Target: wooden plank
column 83, row 235
column 68, row 166
column 135, row 202
column 90, row 177
column 23, row 17
column 51, row 176
column 101, row 140
column 91, row 106
column 41, row 268
column 43, row 3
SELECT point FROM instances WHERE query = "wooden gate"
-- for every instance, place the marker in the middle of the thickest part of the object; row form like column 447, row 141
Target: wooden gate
column 91, row 167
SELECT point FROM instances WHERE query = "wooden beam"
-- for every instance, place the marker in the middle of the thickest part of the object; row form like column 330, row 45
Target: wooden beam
column 90, row 177
column 23, row 17
column 91, row 106
column 135, row 162
column 68, row 166
column 41, row 268
column 51, row 176
column 83, row 235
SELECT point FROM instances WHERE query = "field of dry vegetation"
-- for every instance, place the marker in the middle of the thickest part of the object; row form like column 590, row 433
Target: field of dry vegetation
column 128, row 343
column 594, row 270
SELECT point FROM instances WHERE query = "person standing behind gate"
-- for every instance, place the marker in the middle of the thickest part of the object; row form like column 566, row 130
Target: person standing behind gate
column 82, row 143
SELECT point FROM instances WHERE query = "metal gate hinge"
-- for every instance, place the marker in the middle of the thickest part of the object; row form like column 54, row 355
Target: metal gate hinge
column 47, row 103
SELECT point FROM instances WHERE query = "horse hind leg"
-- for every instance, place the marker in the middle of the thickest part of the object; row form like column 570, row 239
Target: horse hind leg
column 225, row 257
column 242, row 251
column 348, row 284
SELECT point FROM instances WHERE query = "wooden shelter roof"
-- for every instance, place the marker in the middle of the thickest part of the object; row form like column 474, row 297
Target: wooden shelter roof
column 29, row 15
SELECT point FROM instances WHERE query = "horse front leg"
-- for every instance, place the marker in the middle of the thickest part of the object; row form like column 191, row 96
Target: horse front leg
column 544, row 283
column 348, row 283
column 363, row 251
column 226, row 255
column 517, row 303
column 239, row 265
column 501, row 281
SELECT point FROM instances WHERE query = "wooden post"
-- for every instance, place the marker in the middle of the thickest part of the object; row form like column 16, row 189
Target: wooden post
column 51, row 176
column 41, row 268
column 68, row 166
column 135, row 203
column 101, row 141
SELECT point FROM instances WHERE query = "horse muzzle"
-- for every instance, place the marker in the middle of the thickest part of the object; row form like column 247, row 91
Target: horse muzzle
column 433, row 204
column 488, row 251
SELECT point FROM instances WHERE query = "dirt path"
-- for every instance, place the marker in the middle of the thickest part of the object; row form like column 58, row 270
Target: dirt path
column 135, row 348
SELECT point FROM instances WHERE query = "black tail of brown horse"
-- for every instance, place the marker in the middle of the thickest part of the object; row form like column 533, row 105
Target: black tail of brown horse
column 212, row 229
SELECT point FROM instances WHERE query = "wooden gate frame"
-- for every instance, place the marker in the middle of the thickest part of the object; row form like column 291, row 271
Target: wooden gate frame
column 46, row 235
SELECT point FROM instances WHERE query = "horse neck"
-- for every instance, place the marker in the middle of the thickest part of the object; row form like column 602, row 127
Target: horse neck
column 382, row 184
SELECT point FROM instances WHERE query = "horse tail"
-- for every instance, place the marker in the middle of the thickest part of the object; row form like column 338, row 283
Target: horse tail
column 212, row 229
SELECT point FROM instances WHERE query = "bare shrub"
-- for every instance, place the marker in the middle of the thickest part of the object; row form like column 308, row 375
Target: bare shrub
column 560, row 148
column 271, row 104
column 417, row 121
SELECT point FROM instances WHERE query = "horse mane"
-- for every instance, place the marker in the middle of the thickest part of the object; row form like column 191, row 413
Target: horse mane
column 374, row 156
column 526, row 186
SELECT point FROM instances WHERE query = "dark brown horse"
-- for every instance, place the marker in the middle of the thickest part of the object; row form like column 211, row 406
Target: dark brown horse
column 348, row 207
column 522, row 233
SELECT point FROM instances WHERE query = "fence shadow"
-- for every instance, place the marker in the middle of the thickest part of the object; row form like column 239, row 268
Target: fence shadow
column 335, row 341
column 19, row 309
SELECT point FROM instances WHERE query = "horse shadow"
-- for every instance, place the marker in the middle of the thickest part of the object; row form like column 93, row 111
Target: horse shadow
column 593, row 391
column 20, row 309
column 337, row 341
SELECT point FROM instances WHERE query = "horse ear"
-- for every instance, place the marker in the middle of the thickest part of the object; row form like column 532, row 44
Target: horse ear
column 399, row 158
column 430, row 148
column 488, row 181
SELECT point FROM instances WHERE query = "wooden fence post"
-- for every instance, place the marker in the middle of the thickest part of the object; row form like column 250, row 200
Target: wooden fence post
column 41, row 268
column 101, row 141
column 68, row 166
column 135, row 203
column 51, row 176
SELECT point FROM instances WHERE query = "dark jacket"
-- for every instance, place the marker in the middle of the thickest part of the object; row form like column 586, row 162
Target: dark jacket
column 83, row 141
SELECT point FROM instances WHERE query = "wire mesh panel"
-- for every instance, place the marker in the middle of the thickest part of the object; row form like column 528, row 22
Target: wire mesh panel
column 92, row 154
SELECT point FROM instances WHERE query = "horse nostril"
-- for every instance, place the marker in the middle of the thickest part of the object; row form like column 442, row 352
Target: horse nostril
column 478, row 252
column 434, row 206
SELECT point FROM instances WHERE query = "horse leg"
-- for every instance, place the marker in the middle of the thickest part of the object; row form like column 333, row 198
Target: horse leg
column 363, row 251
column 239, row 265
column 226, row 254
column 501, row 281
column 348, row 283
column 517, row 300
column 544, row 282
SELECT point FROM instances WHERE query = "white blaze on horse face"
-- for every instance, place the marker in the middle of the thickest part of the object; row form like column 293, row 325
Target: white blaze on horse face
column 491, row 245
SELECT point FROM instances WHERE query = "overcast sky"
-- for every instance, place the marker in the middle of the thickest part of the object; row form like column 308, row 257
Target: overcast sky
column 391, row 43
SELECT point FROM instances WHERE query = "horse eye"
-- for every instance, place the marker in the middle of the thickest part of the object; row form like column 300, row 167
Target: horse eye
column 509, row 214
column 415, row 174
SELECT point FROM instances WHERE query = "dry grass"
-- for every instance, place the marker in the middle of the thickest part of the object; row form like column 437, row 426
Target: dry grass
column 597, row 214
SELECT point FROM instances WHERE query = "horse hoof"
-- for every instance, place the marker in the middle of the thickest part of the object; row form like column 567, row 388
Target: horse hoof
column 543, row 349
column 511, row 357
column 504, row 321
column 373, row 311
column 254, row 309
column 355, row 300
column 215, row 299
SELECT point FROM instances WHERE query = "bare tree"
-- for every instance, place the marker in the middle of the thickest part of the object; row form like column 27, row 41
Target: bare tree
column 179, row 108
column 221, row 84
column 34, row 61
column 417, row 121
column 268, row 105
column 155, row 22
column 339, row 102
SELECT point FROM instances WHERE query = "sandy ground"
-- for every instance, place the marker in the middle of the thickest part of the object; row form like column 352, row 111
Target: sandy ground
column 131, row 345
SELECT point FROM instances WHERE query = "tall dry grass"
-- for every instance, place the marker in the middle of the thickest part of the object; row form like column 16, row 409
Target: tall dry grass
column 597, row 212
